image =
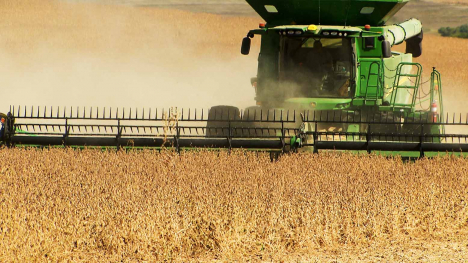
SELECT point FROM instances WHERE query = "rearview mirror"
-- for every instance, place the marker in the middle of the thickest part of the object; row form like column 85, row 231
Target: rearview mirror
column 414, row 45
column 246, row 42
column 386, row 49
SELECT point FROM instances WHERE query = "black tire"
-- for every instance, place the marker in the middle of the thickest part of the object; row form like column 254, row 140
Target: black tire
column 218, row 121
column 380, row 131
column 414, row 128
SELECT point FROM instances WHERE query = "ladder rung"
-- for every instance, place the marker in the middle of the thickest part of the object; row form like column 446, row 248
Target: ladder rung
column 406, row 87
column 409, row 75
column 402, row 105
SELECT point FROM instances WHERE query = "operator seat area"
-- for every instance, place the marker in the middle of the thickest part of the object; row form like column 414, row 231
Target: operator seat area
column 316, row 67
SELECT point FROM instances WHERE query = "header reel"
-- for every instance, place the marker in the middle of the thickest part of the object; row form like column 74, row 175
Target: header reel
column 229, row 128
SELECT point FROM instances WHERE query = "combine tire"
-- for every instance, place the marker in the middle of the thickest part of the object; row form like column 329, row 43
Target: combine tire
column 414, row 128
column 383, row 132
column 218, row 124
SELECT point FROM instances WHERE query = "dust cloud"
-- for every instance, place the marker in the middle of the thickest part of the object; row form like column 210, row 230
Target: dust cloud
column 63, row 53
column 56, row 53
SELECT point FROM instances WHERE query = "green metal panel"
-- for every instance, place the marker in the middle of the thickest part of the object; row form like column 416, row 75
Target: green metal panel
column 326, row 12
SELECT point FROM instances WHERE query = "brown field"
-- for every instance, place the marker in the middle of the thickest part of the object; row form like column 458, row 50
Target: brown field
column 105, row 206
column 91, row 205
column 456, row 2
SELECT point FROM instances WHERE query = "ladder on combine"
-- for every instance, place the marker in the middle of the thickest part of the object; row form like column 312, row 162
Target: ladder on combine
column 373, row 88
column 399, row 85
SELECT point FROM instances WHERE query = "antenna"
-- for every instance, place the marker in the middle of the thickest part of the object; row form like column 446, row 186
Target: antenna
column 319, row 12
column 347, row 13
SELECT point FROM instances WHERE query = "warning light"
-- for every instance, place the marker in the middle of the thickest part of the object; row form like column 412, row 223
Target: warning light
column 312, row 28
column 367, row 27
column 262, row 25
column 3, row 120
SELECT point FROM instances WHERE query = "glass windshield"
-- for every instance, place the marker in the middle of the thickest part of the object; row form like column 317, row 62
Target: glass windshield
column 312, row 67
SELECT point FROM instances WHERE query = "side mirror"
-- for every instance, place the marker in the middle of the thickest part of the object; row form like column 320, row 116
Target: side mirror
column 386, row 49
column 414, row 45
column 246, row 42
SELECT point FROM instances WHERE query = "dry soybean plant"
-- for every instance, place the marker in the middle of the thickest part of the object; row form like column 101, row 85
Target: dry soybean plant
column 64, row 204
column 171, row 122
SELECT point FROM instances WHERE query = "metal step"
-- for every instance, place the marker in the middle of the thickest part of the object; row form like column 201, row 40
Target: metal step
column 409, row 75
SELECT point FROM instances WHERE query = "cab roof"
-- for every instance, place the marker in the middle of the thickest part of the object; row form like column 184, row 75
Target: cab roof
column 327, row 12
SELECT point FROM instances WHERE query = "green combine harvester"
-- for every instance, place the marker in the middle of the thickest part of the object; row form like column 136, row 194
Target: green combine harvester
column 327, row 79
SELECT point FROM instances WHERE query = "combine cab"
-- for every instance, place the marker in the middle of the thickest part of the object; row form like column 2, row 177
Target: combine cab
column 327, row 79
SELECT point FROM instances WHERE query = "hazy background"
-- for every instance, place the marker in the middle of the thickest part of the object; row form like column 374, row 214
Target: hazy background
column 144, row 53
